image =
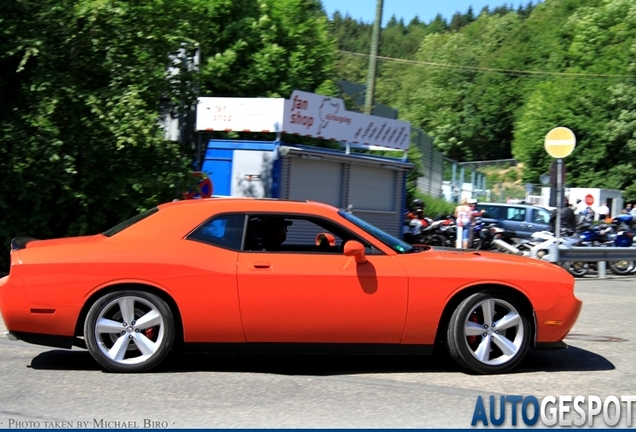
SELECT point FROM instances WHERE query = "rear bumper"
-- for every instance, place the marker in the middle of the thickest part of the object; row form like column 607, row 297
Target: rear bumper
column 44, row 339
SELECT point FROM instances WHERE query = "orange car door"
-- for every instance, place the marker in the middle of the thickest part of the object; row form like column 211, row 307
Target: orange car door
column 304, row 297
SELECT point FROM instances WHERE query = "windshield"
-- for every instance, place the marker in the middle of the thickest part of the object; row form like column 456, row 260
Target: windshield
column 397, row 245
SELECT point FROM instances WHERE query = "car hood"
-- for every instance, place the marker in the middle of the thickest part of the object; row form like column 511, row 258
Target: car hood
column 477, row 257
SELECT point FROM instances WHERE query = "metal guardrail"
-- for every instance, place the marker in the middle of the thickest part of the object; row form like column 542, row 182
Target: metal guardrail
column 601, row 255
column 596, row 254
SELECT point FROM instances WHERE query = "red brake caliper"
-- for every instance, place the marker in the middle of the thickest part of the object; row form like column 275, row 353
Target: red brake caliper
column 150, row 333
column 473, row 318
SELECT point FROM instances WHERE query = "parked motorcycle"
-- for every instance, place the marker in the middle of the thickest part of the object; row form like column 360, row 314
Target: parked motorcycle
column 506, row 241
column 483, row 235
column 606, row 235
column 623, row 238
column 439, row 233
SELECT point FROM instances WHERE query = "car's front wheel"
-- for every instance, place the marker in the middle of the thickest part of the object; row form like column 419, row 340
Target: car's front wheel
column 489, row 333
column 129, row 331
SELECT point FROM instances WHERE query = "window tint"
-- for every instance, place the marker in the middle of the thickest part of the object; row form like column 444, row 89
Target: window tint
column 224, row 231
column 299, row 235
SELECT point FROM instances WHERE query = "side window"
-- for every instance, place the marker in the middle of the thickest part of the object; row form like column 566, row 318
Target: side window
column 297, row 234
column 224, row 231
column 541, row 216
column 516, row 214
column 491, row 212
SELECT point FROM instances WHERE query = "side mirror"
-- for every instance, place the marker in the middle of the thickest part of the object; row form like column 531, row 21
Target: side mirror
column 355, row 249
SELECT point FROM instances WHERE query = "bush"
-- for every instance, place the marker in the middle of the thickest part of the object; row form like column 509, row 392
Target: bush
column 436, row 206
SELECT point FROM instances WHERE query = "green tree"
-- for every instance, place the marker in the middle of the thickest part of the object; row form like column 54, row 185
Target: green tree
column 84, row 82
column 442, row 95
column 597, row 42
column 263, row 47
column 81, row 141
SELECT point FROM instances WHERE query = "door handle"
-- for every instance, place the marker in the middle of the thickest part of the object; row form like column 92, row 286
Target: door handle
column 259, row 266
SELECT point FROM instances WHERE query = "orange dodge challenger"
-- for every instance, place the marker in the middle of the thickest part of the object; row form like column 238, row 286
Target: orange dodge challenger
column 226, row 273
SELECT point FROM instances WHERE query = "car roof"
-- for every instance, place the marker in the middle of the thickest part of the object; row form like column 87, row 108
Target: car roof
column 178, row 218
column 248, row 204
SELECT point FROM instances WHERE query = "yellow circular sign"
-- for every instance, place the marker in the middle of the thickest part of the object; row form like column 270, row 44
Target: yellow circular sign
column 560, row 142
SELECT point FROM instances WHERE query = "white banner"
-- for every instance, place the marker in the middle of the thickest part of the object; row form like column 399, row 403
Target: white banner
column 305, row 114
column 240, row 114
column 314, row 115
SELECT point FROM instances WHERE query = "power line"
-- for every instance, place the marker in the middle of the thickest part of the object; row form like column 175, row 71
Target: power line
column 494, row 70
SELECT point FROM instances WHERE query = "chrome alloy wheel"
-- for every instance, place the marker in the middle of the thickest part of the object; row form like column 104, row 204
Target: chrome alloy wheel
column 494, row 332
column 129, row 330
column 489, row 332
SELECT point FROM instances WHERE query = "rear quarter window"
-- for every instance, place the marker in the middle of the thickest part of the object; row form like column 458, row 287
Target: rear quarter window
column 129, row 222
column 224, row 231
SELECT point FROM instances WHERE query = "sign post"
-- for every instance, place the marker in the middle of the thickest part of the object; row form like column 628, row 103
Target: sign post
column 559, row 143
column 204, row 189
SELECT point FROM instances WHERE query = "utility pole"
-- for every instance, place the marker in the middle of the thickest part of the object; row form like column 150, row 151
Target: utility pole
column 373, row 58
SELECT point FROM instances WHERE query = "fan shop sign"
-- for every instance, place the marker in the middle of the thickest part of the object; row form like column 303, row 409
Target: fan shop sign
column 304, row 114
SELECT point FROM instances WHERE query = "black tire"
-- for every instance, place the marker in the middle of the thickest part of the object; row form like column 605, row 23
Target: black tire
column 623, row 267
column 145, row 338
column 576, row 268
column 492, row 349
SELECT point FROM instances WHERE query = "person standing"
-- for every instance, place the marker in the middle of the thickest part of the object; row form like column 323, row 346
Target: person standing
column 474, row 214
column 603, row 211
column 462, row 216
column 568, row 218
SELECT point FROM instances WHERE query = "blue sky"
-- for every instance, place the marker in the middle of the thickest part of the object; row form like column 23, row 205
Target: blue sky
column 426, row 10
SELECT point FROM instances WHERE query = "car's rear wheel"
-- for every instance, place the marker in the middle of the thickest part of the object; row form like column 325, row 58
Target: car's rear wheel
column 129, row 331
column 488, row 333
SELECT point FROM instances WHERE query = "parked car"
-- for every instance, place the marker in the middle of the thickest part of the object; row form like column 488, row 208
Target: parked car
column 201, row 273
column 522, row 219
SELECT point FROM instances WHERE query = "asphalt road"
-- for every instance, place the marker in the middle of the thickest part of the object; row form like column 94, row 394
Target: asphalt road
column 49, row 388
